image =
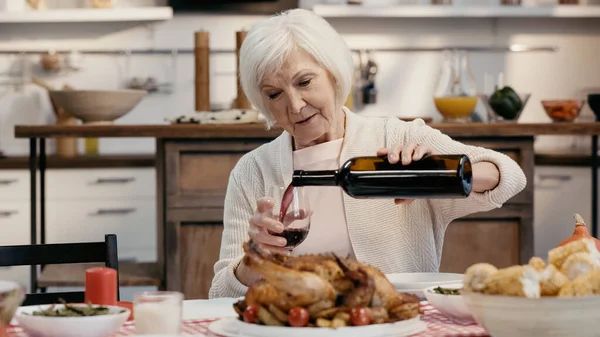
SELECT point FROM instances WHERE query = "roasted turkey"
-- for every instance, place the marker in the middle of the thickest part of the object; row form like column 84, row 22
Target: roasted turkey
column 324, row 284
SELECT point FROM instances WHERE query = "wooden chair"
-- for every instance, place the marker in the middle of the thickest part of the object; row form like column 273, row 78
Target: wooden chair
column 61, row 253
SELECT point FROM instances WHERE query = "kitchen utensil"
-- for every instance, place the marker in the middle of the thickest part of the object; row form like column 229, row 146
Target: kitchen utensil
column 241, row 101
column 565, row 110
column 594, row 103
column 233, row 327
column 456, row 94
column 495, row 117
column 202, row 73
column 65, row 146
column 97, row 106
column 89, row 326
column 51, row 61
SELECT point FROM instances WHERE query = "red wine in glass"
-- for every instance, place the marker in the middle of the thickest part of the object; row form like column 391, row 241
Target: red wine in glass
column 297, row 230
column 293, row 236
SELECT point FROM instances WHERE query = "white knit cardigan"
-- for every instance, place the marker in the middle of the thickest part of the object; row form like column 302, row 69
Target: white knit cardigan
column 394, row 238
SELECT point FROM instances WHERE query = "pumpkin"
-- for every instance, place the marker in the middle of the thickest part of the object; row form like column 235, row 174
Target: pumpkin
column 580, row 232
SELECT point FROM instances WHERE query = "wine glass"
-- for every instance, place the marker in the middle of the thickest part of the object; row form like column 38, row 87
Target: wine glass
column 291, row 206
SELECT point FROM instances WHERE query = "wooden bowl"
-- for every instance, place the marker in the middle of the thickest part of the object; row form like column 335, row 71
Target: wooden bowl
column 97, row 106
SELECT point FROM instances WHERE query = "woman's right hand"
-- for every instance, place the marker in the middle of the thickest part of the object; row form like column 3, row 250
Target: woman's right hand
column 262, row 222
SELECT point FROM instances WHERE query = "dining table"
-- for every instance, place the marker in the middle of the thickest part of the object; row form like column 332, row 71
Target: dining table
column 198, row 315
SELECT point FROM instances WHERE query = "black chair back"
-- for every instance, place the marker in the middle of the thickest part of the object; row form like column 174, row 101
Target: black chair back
column 61, row 253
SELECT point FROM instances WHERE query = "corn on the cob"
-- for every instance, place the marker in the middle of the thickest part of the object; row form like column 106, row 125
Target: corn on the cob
column 517, row 280
column 537, row 263
column 475, row 275
column 552, row 280
column 559, row 255
column 579, row 264
column 584, row 285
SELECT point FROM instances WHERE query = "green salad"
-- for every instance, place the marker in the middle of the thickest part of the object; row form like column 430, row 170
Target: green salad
column 446, row 291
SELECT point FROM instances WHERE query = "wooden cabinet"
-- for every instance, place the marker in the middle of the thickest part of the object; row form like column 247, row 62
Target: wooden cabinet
column 193, row 176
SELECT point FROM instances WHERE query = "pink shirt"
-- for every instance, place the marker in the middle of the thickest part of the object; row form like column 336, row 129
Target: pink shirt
column 328, row 228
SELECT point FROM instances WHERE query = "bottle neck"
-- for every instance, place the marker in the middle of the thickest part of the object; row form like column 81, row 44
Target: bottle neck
column 315, row 178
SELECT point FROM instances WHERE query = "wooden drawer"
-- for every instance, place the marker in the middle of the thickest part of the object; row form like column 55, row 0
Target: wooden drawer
column 14, row 223
column 471, row 241
column 14, row 185
column 133, row 221
column 100, row 183
column 199, row 173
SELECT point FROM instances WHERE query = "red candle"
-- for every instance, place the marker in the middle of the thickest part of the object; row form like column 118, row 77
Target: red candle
column 101, row 286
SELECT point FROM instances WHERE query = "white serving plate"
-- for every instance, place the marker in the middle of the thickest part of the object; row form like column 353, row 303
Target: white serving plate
column 91, row 326
column 233, row 327
column 416, row 283
column 451, row 305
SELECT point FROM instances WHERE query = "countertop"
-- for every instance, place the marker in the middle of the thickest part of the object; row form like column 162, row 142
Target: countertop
column 200, row 131
column 148, row 160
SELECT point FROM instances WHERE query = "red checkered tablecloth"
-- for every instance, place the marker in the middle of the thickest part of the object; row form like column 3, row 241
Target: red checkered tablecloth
column 438, row 325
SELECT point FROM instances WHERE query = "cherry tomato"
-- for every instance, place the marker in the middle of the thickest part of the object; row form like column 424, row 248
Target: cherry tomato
column 251, row 314
column 360, row 316
column 298, row 317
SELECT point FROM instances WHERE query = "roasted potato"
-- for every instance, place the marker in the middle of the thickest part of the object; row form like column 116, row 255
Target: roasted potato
column 267, row 318
column 279, row 314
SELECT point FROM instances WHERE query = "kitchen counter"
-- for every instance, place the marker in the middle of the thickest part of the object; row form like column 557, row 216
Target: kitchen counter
column 193, row 163
column 82, row 161
column 212, row 131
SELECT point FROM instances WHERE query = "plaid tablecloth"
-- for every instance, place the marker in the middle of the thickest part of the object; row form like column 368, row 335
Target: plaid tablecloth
column 438, row 325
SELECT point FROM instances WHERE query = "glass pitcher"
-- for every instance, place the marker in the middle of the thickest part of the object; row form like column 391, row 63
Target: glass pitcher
column 456, row 94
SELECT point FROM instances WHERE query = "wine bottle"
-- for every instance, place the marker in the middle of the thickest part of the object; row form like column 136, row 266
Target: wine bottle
column 432, row 177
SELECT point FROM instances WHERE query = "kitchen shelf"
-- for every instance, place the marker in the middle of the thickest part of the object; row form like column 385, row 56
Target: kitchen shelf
column 137, row 14
column 449, row 11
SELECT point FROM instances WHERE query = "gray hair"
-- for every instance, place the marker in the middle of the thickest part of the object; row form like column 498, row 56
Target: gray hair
column 270, row 41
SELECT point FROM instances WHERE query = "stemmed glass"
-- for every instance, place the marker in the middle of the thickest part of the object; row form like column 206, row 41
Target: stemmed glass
column 296, row 222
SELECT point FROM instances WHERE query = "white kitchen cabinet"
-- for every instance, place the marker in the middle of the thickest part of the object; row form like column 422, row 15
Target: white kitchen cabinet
column 133, row 221
column 107, row 184
column 14, row 223
column 14, row 185
column 559, row 193
column 83, row 205
column 14, row 230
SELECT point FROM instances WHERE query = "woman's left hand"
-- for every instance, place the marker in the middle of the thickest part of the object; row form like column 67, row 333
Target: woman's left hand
column 407, row 154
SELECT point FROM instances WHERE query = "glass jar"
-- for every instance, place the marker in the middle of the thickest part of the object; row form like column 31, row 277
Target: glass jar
column 456, row 94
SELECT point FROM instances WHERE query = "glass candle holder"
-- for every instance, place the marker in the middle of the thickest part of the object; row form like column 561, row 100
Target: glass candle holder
column 158, row 312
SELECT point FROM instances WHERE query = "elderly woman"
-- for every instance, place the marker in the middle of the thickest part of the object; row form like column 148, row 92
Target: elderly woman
column 297, row 71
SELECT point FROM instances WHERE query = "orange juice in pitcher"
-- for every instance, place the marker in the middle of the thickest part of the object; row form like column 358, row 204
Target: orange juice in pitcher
column 455, row 108
column 456, row 94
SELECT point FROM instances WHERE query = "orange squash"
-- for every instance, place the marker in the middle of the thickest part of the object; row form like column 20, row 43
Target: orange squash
column 580, row 232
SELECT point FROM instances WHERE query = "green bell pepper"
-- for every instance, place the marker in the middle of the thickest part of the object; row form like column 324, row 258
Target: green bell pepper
column 506, row 103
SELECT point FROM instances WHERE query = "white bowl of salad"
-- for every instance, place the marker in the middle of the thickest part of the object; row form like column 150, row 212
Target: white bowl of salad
column 448, row 300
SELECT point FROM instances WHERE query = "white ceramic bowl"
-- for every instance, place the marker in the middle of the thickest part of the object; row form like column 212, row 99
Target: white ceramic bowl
column 451, row 305
column 416, row 283
column 509, row 316
column 97, row 106
column 91, row 326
